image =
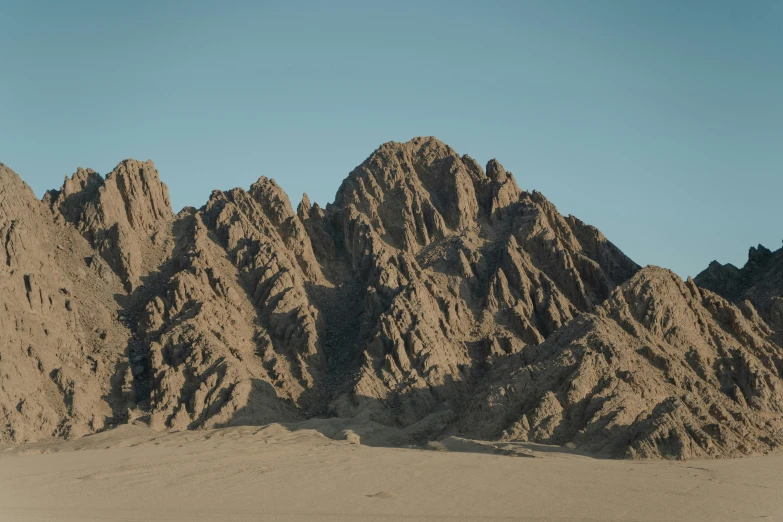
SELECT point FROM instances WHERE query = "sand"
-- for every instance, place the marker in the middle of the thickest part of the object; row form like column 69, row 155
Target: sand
column 278, row 473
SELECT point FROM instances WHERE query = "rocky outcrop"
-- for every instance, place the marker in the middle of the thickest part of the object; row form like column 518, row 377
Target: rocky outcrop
column 62, row 349
column 120, row 216
column 760, row 281
column 210, row 363
column 232, row 336
column 461, row 266
column 661, row 369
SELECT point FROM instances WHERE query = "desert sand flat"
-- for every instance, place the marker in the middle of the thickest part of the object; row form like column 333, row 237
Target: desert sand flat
column 277, row 473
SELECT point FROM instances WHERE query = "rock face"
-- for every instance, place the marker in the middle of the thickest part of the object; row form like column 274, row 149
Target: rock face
column 760, row 281
column 119, row 216
column 62, row 350
column 459, row 266
column 661, row 369
column 433, row 295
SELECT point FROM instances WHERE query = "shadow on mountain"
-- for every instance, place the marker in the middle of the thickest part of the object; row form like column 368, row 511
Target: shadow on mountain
column 124, row 395
column 435, row 432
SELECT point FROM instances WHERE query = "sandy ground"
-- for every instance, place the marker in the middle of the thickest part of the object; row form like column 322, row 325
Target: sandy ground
column 273, row 473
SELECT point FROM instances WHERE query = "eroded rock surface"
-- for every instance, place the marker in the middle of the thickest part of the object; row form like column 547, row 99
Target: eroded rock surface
column 63, row 354
column 760, row 281
column 121, row 216
column 433, row 295
column 663, row 368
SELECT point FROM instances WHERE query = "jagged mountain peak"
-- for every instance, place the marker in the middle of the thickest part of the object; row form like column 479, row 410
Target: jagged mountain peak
column 419, row 191
column 116, row 214
column 760, row 281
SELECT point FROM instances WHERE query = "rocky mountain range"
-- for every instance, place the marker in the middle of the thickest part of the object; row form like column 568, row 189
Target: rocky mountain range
column 434, row 296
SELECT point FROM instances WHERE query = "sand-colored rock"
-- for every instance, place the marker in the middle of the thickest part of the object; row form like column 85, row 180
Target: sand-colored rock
column 663, row 368
column 760, row 281
column 433, row 296
column 121, row 216
column 456, row 262
column 62, row 348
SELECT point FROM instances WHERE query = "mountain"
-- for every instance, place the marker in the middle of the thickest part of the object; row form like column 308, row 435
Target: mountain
column 760, row 281
column 62, row 347
column 433, row 295
column 663, row 368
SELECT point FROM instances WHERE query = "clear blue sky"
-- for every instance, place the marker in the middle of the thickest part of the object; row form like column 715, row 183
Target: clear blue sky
column 659, row 122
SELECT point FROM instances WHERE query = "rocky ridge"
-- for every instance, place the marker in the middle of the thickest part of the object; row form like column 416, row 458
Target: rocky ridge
column 433, row 295
column 663, row 368
column 760, row 281
column 63, row 366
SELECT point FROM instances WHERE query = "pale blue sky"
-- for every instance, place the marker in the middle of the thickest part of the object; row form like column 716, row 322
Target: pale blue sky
column 659, row 122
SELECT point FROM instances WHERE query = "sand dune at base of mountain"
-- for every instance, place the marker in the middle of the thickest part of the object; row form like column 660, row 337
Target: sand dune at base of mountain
column 279, row 473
